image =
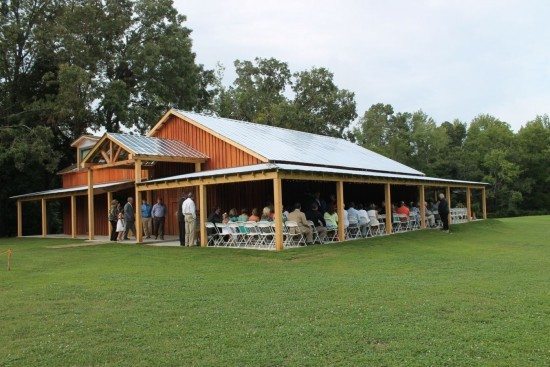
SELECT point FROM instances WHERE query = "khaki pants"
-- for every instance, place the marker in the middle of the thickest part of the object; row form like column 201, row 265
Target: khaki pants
column 147, row 226
column 306, row 231
column 322, row 232
column 189, row 230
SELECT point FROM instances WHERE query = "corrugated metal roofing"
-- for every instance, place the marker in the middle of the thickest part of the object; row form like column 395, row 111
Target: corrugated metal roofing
column 146, row 145
column 291, row 146
column 310, row 169
column 70, row 190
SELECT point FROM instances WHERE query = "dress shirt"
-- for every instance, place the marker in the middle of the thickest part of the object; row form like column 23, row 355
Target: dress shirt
column 159, row 210
column 188, row 207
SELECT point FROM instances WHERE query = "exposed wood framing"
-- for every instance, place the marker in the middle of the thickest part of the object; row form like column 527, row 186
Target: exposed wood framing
column 389, row 214
column 169, row 159
column 198, row 167
column 468, row 204
column 44, row 217
column 448, row 196
column 340, row 210
column 139, row 225
column 484, row 202
column 202, row 215
column 422, row 196
column 91, row 204
column 278, row 207
column 73, row 216
column 127, row 162
column 19, row 219
column 109, row 199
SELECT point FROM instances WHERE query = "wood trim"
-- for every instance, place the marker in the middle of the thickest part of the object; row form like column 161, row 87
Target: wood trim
column 173, row 112
column 469, row 204
column 44, row 217
column 90, row 205
column 169, row 159
column 389, row 214
column 340, row 210
column 19, row 219
column 139, row 225
column 484, row 202
column 117, row 153
column 73, row 216
column 202, row 215
column 198, row 167
column 422, row 196
column 127, row 162
column 278, row 207
column 109, row 199
column 105, row 155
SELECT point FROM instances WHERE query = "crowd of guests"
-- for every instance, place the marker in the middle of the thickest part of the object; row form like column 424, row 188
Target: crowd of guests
column 123, row 220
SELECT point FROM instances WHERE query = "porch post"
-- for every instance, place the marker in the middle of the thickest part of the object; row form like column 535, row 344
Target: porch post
column 19, row 219
column 484, row 202
column 278, row 207
column 91, row 215
column 448, row 195
column 468, row 204
column 340, row 210
column 109, row 199
column 44, row 218
column 202, row 215
column 149, row 196
column 139, row 225
column 197, row 167
column 389, row 214
column 422, row 207
column 73, row 216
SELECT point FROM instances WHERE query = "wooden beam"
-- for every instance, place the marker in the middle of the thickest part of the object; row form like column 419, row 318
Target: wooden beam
column 105, row 156
column 169, row 159
column 422, row 196
column 197, row 166
column 278, row 207
column 110, row 152
column 484, row 202
column 448, row 196
column 117, row 153
column 149, row 197
column 389, row 214
column 19, row 219
column 109, row 199
column 203, row 214
column 73, row 216
column 127, row 162
column 44, row 218
column 91, row 211
column 340, row 210
column 468, row 204
column 139, row 225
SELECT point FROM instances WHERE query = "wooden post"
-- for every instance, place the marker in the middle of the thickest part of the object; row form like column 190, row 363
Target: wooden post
column 44, row 218
column 197, row 167
column 109, row 199
column 448, row 196
column 19, row 219
column 389, row 214
column 422, row 199
column 468, row 204
column 139, row 224
column 202, row 215
column 91, row 215
column 73, row 216
column 278, row 207
column 484, row 202
column 340, row 210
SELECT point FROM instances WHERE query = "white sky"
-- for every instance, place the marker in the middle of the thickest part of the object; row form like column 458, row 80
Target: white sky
column 450, row 58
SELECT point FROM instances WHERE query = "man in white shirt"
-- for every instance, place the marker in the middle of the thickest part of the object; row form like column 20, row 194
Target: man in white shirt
column 190, row 214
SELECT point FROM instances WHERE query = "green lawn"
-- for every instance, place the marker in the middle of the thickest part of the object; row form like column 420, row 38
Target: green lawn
column 479, row 296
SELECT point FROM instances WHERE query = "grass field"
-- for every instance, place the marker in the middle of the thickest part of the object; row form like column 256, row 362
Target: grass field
column 479, row 296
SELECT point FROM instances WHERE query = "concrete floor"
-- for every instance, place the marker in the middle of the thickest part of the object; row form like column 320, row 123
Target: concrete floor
column 168, row 240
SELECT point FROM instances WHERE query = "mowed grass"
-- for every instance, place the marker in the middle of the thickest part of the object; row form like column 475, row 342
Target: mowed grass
column 479, row 296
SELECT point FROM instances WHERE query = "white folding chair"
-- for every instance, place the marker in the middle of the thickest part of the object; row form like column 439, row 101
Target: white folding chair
column 293, row 235
column 267, row 234
column 252, row 234
column 364, row 227
column 353, row 231
column 315, row 234
column 214, row 236
column 332, row 231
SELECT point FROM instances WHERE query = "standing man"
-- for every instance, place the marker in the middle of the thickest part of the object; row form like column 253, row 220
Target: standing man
column 129, row 218
column 181, row 221
column 159, row 215
column 146, row 218
column 190, row 214
column 443, row 210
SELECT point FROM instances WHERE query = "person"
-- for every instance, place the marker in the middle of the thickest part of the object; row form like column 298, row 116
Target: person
column 331, row 218
column 443, row 210
column 233, row 217
column 190, row 213
column 352, row 212
column 254, row 216
column 321, row 204
column 120, row 228
column 146, row 218
column 215, row 216
column 364, row 219
column 266, row 215
column 382, row 210
column 244, row 216
column 415, row 211
column 316, row 217
column 159, row 216
column 300, row 218
column 403, row 211
column 373, row 216
column 113, row 218
column 181, row 221
column 129, row 218
column 430, row 217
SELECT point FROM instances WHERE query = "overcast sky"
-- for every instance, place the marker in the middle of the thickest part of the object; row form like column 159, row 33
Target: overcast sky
column 452, row 59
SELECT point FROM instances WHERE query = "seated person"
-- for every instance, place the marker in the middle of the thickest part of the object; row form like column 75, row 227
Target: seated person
column 318, row 220
column 403, row 210
column 244, row 216
column 430, row 217
column 331, row 218
column 266, row 215
column 299, row 218
column 373, row 216
column 352, row 212
column 363, row 219
column 233, row 217
column 254, row 216
column 382, row 208
column 415, row 211
column 215, row 216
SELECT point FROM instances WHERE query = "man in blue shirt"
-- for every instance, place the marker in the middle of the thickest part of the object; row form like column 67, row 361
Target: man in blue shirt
column 158, row 213
column 147, row 220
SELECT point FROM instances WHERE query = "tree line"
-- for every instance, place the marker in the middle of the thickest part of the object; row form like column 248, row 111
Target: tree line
column 72, row 65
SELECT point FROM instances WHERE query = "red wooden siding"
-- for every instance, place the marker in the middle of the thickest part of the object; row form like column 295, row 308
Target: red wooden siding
column 101, row 176
column 221, row 153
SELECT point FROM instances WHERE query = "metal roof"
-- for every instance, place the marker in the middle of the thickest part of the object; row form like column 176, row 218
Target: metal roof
column 151, row 146
column 291, row 146
column 71, row 190
column 309, row 169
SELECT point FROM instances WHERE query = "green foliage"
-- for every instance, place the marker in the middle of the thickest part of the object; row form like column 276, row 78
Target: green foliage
column 478, row 297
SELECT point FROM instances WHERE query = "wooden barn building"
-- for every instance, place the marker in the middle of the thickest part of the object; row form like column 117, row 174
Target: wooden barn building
column 229, row 163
